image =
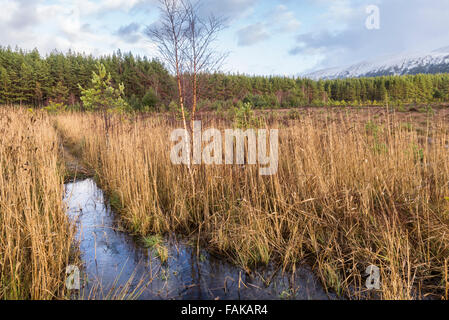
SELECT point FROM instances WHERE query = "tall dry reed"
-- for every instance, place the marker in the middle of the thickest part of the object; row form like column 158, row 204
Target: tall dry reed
column 35, row 234
column 350, row 192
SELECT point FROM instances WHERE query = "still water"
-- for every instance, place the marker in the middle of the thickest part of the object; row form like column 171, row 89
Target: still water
column 117, row 265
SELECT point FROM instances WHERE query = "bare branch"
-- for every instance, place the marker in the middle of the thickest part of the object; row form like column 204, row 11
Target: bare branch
column 199, row 54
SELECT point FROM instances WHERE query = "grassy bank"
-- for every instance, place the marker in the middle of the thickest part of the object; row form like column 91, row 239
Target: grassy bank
column 35, row 234
column 351, row 191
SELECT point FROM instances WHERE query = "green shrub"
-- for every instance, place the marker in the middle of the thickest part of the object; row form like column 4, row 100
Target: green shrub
column 54, row 107
column 150, row 100
column 244, row 116
column 261, row 101
column 102, row 96
column 293, row 114
column 177, row 111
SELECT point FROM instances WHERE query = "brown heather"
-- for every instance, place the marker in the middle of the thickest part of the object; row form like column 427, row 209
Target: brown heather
column 349, row 193
column 35, row 234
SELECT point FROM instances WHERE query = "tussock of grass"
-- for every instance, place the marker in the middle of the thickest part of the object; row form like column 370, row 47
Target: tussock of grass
column 152, row 241
column 350, row 192
column 156, row 243
column 115, row 201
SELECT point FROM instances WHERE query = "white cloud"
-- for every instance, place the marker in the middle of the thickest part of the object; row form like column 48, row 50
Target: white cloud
column 252, row 34
column 89, row 7
column 231, row 9
column 66, row 25
column 280, row 20
column 406, row 26
column 318, row 33
column 284, row 20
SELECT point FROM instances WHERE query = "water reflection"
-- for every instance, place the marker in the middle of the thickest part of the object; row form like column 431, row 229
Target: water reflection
column 115, row 261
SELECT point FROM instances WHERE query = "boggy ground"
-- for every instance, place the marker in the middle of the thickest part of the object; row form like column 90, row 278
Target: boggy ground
column 354, row 188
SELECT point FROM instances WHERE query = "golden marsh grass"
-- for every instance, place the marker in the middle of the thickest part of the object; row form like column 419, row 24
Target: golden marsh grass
column 35, row 234
column 350, row 192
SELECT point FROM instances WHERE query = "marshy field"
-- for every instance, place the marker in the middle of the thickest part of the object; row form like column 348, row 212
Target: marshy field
column 355, row 187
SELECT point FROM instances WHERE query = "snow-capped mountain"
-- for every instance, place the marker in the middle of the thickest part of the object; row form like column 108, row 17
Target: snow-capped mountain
column 436, row 61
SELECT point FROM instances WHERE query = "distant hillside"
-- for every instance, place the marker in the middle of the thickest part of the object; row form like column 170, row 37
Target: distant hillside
column 433, row 62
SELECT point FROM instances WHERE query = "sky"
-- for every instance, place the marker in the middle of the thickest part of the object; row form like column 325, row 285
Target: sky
column 263, row 37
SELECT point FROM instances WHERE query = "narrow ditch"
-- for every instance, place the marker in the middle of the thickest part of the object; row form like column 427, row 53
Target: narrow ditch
column 117, row 265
